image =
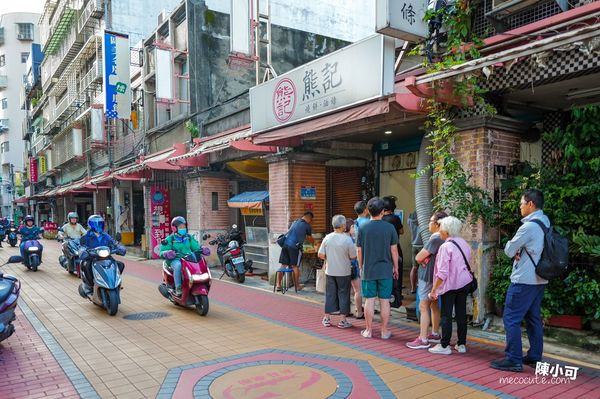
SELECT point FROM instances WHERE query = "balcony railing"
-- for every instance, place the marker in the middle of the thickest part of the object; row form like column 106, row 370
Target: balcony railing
column 91, row 76
column 93, row 9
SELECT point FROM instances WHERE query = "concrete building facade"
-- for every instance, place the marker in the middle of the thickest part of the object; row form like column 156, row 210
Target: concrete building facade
column 17, row 32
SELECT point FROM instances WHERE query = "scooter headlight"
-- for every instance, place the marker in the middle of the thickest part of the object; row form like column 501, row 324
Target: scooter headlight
column 103, row 253
column 200, row 278
column 32, row 249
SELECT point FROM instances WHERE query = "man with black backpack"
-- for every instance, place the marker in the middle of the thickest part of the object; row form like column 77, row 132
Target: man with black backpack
column 526, row 290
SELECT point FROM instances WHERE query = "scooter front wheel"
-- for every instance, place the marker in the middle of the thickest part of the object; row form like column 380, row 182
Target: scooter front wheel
column 112, row 307
column 240, row 278
column 202, row 305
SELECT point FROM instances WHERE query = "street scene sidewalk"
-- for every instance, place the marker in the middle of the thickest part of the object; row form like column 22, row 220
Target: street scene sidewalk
column 252, row 343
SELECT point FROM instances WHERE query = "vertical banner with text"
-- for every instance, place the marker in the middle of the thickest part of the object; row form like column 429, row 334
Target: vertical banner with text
column 117, row 91
column 33, row 170
column 160, row 210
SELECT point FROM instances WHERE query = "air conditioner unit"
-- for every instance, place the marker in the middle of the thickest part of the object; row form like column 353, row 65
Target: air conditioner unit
column 506, row 7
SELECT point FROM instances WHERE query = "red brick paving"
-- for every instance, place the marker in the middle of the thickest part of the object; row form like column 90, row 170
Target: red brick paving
column 27, row 368
column 472, row 366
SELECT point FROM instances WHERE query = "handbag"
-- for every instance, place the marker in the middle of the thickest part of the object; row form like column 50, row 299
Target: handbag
column 473, row 284
column 281, row 240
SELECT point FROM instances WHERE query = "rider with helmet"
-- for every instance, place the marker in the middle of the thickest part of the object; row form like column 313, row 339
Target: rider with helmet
column 73, row 230
column 29, row 231
column 96, row 237
column 4, row 223
column 176, row 246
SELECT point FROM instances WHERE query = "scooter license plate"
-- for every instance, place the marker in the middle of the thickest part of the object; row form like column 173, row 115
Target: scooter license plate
column 238, row 261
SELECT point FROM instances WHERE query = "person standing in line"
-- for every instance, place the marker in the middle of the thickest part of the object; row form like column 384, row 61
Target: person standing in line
column 377, row 252
column 526, row 289
column 452, row 283
column 291, row 252
column 362, row 215
column 416, row 245
column 426, row 258
column 338, row 251
column 355, row 275
column 389, row 206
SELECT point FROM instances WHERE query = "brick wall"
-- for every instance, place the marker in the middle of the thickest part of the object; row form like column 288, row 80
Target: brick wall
column 479, row 150
column 279, row 189
column 209, row 219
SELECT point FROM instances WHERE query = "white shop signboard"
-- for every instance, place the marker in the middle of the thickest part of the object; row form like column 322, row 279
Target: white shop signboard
column 357, row 73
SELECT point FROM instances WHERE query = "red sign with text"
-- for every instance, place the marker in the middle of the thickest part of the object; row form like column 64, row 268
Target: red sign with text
column 160, row 209
column 33, row 171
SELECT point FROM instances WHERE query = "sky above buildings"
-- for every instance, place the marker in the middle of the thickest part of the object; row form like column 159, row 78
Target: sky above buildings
column 7, row 6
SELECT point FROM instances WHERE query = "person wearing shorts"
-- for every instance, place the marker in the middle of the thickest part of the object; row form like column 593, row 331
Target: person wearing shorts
column 377, row 252
column 291, row 252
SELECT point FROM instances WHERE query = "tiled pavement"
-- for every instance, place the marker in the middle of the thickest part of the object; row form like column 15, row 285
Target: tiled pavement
column 134, row 358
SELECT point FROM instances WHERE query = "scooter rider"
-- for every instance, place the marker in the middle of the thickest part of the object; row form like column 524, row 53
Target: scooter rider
column 73, row 230
column 29, row 232
column 176, row 246
column 4, row 223
column 96, row 237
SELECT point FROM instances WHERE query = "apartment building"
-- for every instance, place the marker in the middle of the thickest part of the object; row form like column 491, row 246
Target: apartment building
column 17, row 33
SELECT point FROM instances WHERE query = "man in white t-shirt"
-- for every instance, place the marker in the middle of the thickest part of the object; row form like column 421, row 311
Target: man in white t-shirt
column 338, row 251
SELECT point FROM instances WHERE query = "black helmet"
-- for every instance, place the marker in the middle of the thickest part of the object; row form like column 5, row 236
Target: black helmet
column 28, row 218
column 389, row 203
column 96, row 223
column 178, row 221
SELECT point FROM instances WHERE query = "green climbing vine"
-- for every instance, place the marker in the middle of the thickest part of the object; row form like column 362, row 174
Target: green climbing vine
column 457, row 193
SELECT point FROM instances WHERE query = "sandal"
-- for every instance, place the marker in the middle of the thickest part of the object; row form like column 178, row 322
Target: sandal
column 365, row 334
column 361, row 317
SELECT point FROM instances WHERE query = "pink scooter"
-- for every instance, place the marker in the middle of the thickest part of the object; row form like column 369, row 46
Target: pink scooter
column 195, row 285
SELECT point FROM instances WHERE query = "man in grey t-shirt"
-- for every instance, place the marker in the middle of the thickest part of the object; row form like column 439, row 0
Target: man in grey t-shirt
column 377, row 252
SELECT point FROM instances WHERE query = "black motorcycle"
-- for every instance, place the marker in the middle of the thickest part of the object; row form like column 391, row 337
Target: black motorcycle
column 12, row 236
column 230, row 250
column 9, row 293
column 69, row 260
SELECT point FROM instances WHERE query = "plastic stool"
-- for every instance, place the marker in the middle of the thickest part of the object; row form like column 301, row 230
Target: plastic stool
column 285, row 272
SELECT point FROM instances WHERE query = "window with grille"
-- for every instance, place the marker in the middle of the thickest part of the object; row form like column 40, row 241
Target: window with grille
column 1, row 35
column 2, row 60
column 25, row 31
column 24, row 57
column 4, row 147
column 4, row 103
column 215, row 201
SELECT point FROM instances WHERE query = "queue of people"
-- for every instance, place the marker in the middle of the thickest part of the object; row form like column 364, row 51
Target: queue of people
column 364, row 256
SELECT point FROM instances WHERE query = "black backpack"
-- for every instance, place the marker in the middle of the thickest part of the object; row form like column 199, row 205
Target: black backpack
column 554, row 261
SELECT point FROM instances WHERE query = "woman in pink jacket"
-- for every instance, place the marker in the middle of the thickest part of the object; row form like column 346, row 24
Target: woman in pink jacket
column 452, row 279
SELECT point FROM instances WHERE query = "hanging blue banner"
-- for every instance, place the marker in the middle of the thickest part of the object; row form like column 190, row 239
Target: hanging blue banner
column 117, row 91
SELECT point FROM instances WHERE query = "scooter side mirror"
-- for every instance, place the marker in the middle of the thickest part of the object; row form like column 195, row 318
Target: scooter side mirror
column 15, row 259
column 60, row 229
column 118, row 237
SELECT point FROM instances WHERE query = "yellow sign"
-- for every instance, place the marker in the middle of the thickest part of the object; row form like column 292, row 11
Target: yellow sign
column 43, row 165
column 18, row 179
column 251, row 212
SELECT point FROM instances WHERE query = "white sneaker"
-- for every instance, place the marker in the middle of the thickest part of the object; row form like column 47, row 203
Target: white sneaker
column 460, row 348
column 440, row 350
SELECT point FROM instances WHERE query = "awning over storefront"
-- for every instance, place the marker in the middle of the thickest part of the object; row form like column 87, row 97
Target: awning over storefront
column 249, row 199
column 101, row 182
column 507, row 57
column 235, row 138
column 256, row 168
column 22, row 200
column 157, row 161
column 291, row 135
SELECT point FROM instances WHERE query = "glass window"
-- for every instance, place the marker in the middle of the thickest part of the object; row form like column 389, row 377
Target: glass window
column 4, row 146
column 25, row 32
column 2, row 60
column 4, row 103
column 215, row 201
column 24, row 57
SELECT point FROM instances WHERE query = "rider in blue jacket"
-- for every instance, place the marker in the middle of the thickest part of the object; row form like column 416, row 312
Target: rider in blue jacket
column 96, row 237
column 29, row 232
column 4, row 223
